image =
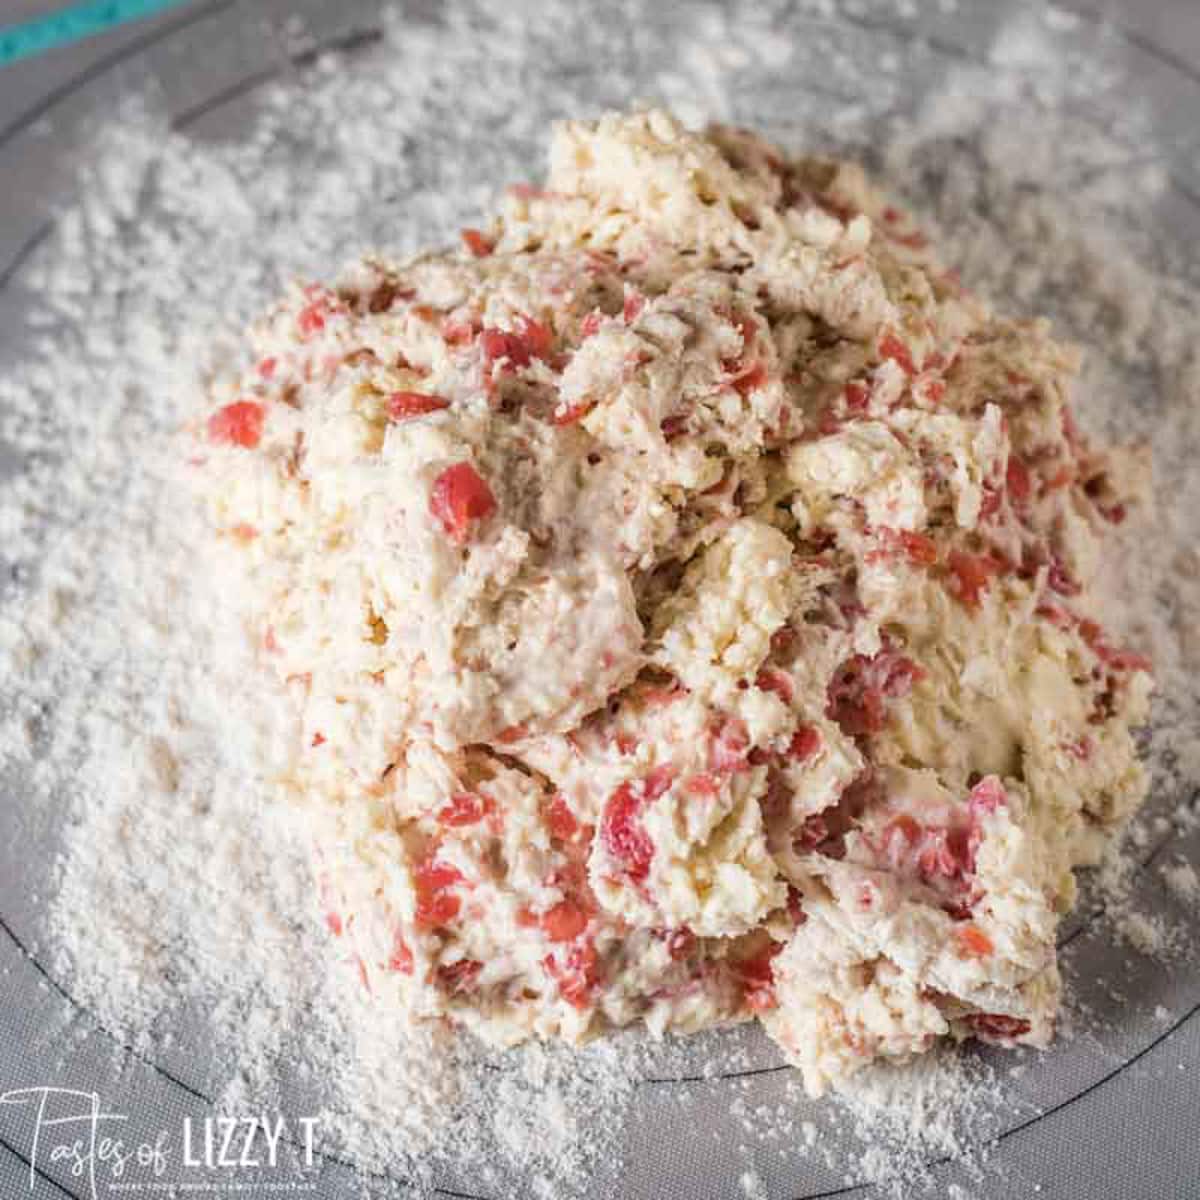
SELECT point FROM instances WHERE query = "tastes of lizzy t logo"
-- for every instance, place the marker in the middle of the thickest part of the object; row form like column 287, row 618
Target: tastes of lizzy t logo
column 71, row 1131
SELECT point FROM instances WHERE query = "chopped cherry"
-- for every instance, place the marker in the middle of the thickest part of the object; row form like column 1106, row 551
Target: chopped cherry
column 565, row 921
column 457, row 332
column 311, row 318
column 1017, row 479
column 783, row 639
column 577, row 973
column 459, row 498
column 744, row 376
column 730, row 741
column 998, row 1025
column 757, row 977
column 917, row 548
column 658, row 782
column 814, row 832
column 1124, row 660
column 681, row 942
column 560, row 820
column 858, row 688
column 805, row 743
column 1110, row 656
column 890, row 346
column 896, row 673
column 459, row 976
column 526, row 191
column 1056, row 615
column 436, row 902
column 858, row 709
column 620, row 829
column 939, row 856
column 465, row 808
column 590, row 325
column 1061, row 580
column 945, row 854
column 626, row 743
column 935, row 389
column 989, row 507
column 897, row 839
column 657, row 697
column 1061, row 478
column 519, row 347
column 621, row 826
column 970, row 575
column 987, row 796
column 237, row 424
column 857, row 396
column 795, row 906
column 704, row 784
column 1081, row 749
column 479, row 244
column 771, row 680
column 913, row 241
column 972, row 942
column 572, row 414
column 401, row 405
column 750, row 380
column 402, row 957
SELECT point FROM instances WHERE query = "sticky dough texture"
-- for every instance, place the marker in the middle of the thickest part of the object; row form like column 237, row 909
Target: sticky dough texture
column 751, row 672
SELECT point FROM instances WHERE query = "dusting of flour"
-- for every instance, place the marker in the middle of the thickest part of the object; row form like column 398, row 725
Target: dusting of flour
column 131, row 702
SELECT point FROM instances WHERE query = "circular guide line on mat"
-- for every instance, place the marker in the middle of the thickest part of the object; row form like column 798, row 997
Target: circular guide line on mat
column 82, row 1009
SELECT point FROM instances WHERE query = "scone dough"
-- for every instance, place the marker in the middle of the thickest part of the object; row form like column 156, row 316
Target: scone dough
column 684, row 591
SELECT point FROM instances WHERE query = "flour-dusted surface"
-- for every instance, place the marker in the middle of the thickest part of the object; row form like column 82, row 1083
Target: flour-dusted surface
column 121, row 891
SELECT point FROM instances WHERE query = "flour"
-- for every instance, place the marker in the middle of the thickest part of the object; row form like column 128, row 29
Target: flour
column 1182, row 880
column 938, row 1107
column 131, row 705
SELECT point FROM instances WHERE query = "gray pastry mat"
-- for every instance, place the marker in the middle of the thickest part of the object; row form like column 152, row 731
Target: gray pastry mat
column 1110, row 1114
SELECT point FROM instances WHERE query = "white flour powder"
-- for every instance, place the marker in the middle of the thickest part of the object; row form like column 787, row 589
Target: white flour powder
column 131, row 700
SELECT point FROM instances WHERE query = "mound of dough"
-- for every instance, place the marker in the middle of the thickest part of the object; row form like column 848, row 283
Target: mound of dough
column 684, row 592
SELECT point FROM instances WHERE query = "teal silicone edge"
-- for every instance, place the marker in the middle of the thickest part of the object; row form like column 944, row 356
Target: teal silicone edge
column 72, row 24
